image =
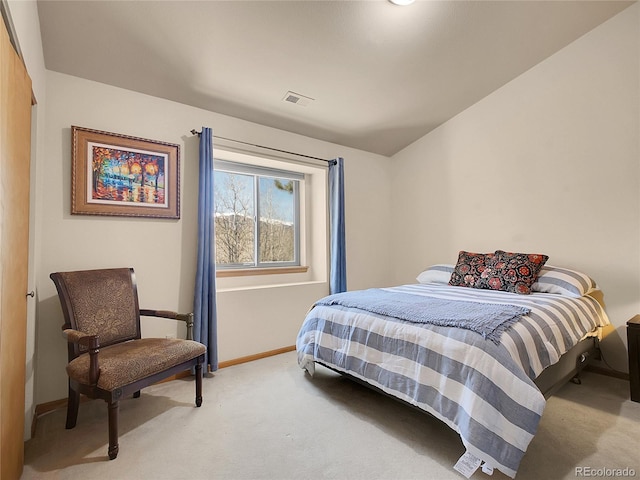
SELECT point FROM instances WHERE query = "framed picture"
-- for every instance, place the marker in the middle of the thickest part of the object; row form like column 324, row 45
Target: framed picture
column 115, row 174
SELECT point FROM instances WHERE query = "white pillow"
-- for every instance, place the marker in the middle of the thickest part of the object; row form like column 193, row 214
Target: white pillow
column 440, row 273
column 563, row 282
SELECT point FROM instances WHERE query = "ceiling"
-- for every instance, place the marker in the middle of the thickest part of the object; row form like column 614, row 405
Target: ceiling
column 381, row 75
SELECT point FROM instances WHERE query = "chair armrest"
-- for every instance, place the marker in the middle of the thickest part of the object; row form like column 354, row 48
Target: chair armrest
column 183, row 317
column 92, row 343
column 81, row 338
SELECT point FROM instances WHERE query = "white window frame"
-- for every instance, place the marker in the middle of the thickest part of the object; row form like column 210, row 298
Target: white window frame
column 258, row 172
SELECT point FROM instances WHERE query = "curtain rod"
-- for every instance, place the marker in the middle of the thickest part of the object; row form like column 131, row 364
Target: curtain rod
column 330, row 162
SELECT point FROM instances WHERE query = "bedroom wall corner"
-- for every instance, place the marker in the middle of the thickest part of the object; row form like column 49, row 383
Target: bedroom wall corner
column 548, row 163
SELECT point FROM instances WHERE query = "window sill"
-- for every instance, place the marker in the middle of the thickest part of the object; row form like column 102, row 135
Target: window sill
column 245, row 272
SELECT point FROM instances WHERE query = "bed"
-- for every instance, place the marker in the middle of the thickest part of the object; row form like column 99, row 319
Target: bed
column 486, row 379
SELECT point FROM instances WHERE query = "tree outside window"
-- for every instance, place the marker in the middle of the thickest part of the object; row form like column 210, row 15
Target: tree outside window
column 256, row 217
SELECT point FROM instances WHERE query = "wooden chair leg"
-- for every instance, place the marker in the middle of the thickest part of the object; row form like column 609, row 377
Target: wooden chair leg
column 72, row 407
column 113, row 429
column 198, row 384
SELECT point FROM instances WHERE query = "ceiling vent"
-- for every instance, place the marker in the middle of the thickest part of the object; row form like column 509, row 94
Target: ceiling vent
column 298, row 99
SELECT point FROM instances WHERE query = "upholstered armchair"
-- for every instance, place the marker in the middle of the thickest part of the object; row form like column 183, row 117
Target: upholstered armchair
column 108, row 359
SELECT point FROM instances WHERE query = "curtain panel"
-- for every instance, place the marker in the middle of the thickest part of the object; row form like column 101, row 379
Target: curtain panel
column 205, row 313
column 338, row 264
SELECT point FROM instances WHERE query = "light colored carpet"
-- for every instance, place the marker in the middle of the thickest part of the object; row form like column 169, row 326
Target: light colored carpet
column 269, row 420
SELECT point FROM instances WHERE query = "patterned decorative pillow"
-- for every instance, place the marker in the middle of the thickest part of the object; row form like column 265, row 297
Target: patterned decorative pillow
column 468, row 269
column 511, row 272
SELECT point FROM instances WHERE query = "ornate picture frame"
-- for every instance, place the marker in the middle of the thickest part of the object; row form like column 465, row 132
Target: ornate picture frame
column 120, row 175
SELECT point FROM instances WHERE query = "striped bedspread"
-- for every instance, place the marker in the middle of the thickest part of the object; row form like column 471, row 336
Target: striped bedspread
column 482, row 390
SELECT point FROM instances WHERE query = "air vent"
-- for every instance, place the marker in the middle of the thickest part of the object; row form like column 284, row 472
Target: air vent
column 293, row 97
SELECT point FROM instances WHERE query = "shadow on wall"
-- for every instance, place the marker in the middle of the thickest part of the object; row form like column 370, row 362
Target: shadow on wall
column 189, row 159
column 614, row 341
column 51, row 355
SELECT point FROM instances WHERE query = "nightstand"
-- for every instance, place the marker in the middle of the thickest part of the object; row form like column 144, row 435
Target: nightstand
column 633, row 342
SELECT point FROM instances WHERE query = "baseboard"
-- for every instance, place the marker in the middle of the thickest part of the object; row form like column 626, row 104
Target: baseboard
column 607, row 371
column 257, row 356
column 47, row 407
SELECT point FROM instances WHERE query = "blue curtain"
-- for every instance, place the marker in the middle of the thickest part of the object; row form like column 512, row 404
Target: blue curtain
column 205, row 321
column 338, row 272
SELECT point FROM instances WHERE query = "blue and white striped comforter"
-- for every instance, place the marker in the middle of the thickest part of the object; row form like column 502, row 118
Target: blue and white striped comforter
column 483, row 391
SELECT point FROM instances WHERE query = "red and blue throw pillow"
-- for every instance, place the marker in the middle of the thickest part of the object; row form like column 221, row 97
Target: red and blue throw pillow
column 504, row 271
column 468, row 269
column 512, row 272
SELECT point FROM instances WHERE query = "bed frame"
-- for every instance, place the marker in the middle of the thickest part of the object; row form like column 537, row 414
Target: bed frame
column 569, row 366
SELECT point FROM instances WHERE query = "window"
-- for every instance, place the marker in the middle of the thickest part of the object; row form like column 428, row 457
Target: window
column 257, row 216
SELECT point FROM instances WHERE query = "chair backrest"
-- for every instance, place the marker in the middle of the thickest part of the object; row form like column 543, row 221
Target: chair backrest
column 100, row 302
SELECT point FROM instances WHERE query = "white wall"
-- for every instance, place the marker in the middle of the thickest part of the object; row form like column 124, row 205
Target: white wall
column 162, row 252
column 549, row 163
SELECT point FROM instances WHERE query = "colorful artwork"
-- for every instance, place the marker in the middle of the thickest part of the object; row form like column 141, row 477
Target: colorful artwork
column 115, row 174
column 129, row 176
